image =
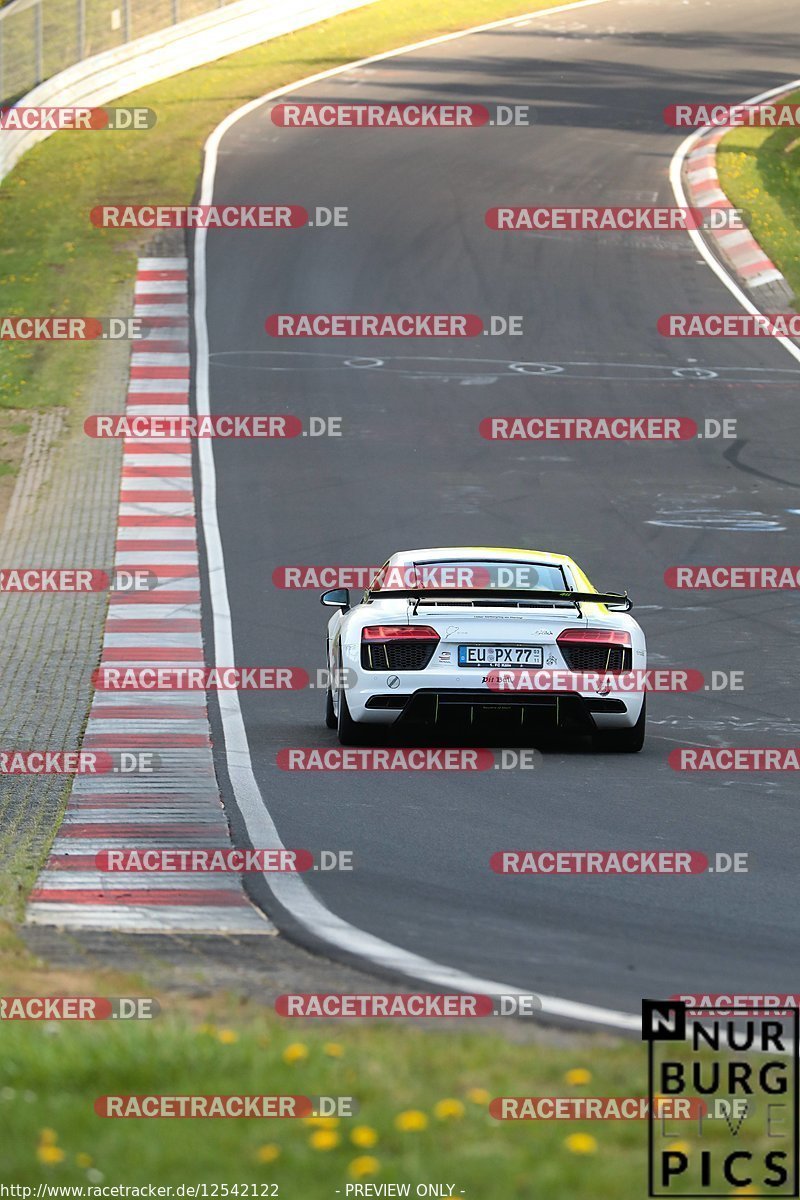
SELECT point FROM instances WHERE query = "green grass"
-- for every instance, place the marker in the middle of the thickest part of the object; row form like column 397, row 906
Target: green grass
column 50, row 1077
column 13, row 435
column 54, row 262
column 25, row 841
column 759, row 170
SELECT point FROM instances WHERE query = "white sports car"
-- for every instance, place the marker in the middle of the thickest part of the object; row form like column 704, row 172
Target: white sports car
column 470, row 631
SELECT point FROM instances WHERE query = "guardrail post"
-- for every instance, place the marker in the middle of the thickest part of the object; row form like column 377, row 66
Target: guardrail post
column 126, row 18
column 39, row 47
column 81, row 30
column 175, row 5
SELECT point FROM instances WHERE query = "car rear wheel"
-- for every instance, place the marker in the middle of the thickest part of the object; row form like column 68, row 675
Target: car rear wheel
column 624, row 741
column 330, row 712
column 351, row 733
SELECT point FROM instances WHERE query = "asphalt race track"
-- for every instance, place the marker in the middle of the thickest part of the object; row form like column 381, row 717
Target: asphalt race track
column 411, row 470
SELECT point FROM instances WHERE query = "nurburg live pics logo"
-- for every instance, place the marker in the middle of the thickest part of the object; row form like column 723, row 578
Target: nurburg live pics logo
column 742, row 1064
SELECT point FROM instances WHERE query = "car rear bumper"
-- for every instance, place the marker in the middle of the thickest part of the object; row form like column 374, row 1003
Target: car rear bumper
column 565, row 711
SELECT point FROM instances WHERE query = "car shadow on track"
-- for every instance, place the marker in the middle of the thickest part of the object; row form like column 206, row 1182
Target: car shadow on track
column 481, row 733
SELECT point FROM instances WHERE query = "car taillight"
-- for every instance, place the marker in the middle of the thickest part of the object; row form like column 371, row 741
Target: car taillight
column 605, row 637
column 391, row 633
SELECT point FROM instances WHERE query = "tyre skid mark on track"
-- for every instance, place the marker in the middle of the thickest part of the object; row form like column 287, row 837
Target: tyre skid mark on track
column 687, row 372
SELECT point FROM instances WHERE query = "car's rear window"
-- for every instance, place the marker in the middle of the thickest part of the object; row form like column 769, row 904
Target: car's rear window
column 475, row 575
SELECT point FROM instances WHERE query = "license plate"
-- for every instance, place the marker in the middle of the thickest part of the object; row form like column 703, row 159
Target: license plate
column 499, row 656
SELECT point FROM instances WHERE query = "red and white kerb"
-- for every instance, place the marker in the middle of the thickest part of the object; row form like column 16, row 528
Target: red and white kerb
column 179, row 805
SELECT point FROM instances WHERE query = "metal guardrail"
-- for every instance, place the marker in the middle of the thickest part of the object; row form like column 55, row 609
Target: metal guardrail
column 39, row 38
column 214, row 30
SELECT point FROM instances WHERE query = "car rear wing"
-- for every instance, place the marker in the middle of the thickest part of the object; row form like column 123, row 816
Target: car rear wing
column 614, row 600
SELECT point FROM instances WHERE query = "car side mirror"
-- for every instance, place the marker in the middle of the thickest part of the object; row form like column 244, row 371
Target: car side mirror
column 336, row 598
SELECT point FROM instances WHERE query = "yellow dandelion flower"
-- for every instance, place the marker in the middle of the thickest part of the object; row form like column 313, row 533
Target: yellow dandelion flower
column 48, row 1137
column 295, row 1052
column 411, row 1120
column 333, row 1049
column 365, row 1164
column 227, row 1036
column 321, row 1122
column 49, row 1155
column 364, row 1136
column 83, row 1160
column 581, row 1143
column 577, row 1076
column 477, row 1095
column 324, row 1139
column 268, row 1153
column 448, row 1110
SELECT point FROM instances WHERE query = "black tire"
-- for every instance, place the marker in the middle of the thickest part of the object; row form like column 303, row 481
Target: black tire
column 624, row 741
column 330, row 711
column 351, row 733
column 330, row 714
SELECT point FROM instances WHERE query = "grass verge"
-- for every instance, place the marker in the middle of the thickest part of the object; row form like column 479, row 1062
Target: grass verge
column 422, row 1099
column 759, row 170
